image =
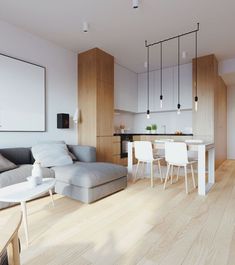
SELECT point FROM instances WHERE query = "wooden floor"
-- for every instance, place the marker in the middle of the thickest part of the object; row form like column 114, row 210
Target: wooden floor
column 140, row 225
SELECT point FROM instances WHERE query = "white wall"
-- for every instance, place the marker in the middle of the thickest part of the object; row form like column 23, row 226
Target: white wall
column 227, row 66
column 61, row 83
column 172, row 120
column 230, row 122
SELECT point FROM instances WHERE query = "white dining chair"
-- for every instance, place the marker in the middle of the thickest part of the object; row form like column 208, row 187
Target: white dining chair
column 144, row 154
column 161, row 152
column 176, row 155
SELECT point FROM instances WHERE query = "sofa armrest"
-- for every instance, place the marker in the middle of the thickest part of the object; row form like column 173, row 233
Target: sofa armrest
column 83, row 153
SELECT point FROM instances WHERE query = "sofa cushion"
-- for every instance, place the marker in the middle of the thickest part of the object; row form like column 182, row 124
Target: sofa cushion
column 20, row 174
column 6, row 164
column 83, row 153
column 52, row 154
column 18, row 155
column 89, row 175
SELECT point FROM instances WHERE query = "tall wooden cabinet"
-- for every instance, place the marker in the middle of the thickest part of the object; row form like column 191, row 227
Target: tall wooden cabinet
column 210, row 121
column 96, row 101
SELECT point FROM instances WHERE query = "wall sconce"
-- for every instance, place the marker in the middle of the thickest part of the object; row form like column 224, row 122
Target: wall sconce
column 76, row 116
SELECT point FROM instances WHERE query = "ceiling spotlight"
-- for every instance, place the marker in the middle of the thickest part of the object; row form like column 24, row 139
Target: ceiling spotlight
column 85, row 27
column 135, row 3
column 184, row 54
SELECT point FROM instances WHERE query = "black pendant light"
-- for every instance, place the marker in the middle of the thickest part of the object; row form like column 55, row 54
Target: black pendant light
column 196, row 97
column 161, row 96
column 178, row 105
column 148, row 111
column 148, row 45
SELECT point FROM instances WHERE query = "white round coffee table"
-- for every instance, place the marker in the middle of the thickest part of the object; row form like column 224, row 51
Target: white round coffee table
column 22, row 192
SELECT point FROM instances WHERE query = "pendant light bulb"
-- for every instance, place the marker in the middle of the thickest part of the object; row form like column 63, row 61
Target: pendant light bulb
column 184, row 54
column 196, row 106
column 196, row 103
column 85, row 27
column 148, row 114
column 178, row 109
column 146, row 65
column 161, row 98
column 135, row 4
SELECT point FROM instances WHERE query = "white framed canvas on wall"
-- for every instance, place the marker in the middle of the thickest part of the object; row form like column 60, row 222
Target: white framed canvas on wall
column 22, row 95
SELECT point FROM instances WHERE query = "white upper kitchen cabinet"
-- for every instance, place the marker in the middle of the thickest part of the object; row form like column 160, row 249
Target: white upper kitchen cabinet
column 167, row 89
column 185, row 86
column 142, row 92
column 154, row 90
column 125, row 89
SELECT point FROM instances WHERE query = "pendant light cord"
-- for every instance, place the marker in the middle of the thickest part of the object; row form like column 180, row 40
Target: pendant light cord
column 196, row 64
column 161, row 69
column 178, row 72
column 147, row 78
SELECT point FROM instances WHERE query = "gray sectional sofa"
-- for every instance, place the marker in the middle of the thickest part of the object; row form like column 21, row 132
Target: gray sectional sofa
column 85, row 180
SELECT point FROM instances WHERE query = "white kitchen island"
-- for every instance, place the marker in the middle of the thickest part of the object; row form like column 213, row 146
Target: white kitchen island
column 202, row 149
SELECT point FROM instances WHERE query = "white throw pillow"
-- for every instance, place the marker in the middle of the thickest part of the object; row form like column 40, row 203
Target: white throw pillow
column 52, row 154
column 74, row 158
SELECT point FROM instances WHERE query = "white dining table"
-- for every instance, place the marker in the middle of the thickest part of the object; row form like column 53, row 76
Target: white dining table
column 205, row 164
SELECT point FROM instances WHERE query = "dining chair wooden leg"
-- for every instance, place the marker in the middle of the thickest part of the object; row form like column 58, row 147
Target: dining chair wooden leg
column 178, row 172
column 136, row 172
column 172, row 170
column 151, row 173
column 160, row 170
column 186, row 179
column 166, row 178
column 192, row 171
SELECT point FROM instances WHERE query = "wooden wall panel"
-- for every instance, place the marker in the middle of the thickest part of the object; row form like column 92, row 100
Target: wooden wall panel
column 105, row 108
column 221, row 122
column 105, row 67
column 87, row 86
column 96, row 101
column 105, row 149
column 203, row 119
column 210, row 121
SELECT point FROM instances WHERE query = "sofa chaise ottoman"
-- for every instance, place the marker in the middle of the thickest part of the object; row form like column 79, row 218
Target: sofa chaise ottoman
column 88, row 182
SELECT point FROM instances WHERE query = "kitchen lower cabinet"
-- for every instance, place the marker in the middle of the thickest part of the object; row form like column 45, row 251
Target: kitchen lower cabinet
column 120, row 161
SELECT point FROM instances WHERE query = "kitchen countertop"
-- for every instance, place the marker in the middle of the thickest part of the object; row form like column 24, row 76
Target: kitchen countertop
column 151, row 134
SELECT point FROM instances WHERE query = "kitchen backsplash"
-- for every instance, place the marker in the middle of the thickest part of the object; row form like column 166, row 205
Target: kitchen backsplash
column 124, row 118
column 168, row 122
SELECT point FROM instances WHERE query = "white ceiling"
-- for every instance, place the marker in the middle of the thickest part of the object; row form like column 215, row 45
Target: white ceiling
column 229, row 79
column 120, row 30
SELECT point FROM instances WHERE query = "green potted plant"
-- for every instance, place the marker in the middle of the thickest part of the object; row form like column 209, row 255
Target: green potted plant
column 153, row 128
column 148, row 129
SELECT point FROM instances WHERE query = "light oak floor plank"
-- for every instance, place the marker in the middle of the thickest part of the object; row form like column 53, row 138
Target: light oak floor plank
column 140, row 225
